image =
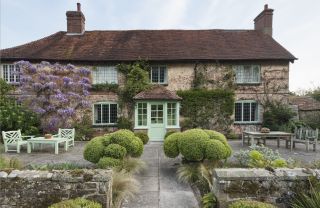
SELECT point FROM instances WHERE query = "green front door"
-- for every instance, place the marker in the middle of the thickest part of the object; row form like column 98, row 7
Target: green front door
column 157, row 128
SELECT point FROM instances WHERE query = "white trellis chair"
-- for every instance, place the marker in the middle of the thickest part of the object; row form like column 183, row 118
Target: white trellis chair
column 305, row 136
column 68, row 134
column 13, row 139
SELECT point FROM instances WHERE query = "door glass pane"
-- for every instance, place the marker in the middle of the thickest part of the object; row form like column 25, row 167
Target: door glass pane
column 157, row 114
column 171, row 114
column 142, row 114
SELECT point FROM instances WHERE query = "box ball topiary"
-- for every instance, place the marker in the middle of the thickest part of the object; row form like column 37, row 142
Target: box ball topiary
column 115, row 151
column 108, row 162
column 107, row 139
column 169, row 133
column 94, row 149
column 220, row 137
column 138, row 146
column 124, row 138
column 250, row 204
column 143, row 136
column 170, row 145
column 77, row 202
column 215, row 150
column 192, row 143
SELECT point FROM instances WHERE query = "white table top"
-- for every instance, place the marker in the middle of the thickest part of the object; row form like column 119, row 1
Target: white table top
column 47, row 140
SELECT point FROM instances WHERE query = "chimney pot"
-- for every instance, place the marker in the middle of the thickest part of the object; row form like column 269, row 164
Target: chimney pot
column 263, row 22
column 78, row 7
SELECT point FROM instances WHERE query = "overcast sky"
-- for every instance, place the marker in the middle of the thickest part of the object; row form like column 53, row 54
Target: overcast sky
column 296, row 23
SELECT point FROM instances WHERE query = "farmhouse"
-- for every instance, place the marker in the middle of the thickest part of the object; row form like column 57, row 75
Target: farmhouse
column 260, row 63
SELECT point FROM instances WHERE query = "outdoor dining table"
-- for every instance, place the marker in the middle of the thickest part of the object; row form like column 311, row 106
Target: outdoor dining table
column 279, row 135
column 41, row 140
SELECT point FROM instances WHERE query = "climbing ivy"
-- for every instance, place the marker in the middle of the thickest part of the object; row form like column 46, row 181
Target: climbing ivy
column 136, row 80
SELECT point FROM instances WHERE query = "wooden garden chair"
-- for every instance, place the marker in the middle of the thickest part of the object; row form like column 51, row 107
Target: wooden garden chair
column 305, row 136
column 67, row 134
column 15, row 139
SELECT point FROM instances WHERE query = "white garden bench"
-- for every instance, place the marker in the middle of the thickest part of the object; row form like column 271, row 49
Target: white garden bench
column 13, row 139
column 66, row 134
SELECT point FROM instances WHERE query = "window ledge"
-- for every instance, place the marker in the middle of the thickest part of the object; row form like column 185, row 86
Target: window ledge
column 163, row 84
column 249, row 83
column 104, row 125
column 247, row 123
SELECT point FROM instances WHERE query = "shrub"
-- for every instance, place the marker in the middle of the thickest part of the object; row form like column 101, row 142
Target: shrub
column 143, row 136
column 115, row 151
column 138, row 147
column 303, row 200
column 169, row 133
column 232, row 136
column 170, row 145
column 131, row 165
column 117, row 145
column 215, row 150
column 84, row 130
column 108, row 162
column 124, row 138
column 94, row 150
column 124, row 123
column 74, row 203
column 250, row 204
column 220, row 137
column 191, row 144
column 279, row 163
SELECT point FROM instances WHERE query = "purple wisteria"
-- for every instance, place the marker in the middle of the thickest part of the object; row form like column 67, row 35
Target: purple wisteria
column 55, row 92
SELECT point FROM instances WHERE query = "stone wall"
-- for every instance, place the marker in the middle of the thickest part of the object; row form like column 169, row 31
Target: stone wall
column 31, row 188
column 259, row 184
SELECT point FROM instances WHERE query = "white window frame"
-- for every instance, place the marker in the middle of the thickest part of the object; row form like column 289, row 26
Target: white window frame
column 93, row 113
column 105, row 75
column 242, row 102
column 137, row 114
column 240, row 70
column 158, row 68
column 7, row 78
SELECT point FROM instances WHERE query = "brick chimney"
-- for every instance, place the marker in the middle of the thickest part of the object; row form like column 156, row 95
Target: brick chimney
column 263, row 21
column 75, row 21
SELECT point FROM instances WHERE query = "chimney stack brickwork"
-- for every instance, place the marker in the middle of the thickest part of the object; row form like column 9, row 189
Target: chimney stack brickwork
column 263, row 21
column 75, row 21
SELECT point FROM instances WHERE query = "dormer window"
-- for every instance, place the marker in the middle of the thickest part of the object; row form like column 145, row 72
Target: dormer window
column 105, row 75
column 158, row 75
column 10, row 73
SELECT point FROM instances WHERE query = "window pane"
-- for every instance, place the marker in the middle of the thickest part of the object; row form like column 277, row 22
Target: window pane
column 155, row 75
column 238, row 112
column 162, row 75
column 246, row 111
column 5, row 73
column 171, row 114
column 97, row 113
column 105, row 113
column 17, row 74
column 254, row 113
column 11, row 73
column 113, row 113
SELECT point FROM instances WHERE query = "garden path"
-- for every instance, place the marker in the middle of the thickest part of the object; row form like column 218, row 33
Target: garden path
column 159, row 185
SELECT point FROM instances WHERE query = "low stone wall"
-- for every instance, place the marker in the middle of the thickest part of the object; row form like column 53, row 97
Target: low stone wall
column 259, row 184
column 31, row 188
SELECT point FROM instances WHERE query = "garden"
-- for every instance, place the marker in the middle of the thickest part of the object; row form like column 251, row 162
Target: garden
column 203, row 147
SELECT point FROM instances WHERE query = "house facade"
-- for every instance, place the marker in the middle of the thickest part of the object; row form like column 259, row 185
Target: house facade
column 260, row 64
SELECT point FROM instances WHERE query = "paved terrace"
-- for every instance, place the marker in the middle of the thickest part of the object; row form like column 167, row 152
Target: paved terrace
column 159, row 186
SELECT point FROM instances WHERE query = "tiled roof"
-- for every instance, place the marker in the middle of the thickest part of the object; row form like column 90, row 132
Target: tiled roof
column 157, row 92
column 305, row 103
column 152, row 45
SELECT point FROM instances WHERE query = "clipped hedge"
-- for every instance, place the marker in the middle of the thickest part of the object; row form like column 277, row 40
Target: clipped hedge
column 250, row 204
column 94, row 149
column 197, row 145
column 143, row 136
column 76, row 203
column 108, row 162
column 170, row 145
column 113, row 148
column 115, row 151
column 192, row 143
